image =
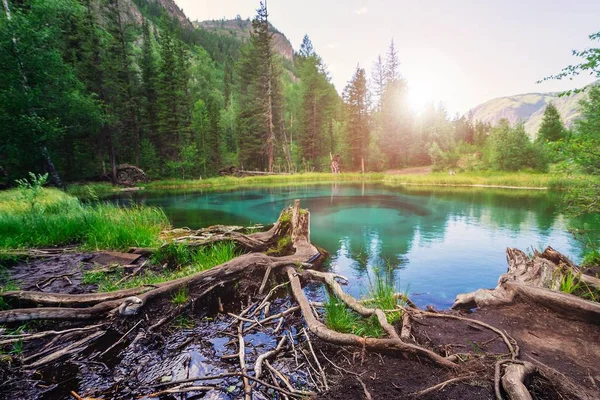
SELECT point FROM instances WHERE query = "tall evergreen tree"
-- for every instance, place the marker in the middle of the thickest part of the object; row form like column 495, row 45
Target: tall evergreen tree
column 121, row 80
column 149, row 81
column 552, row 128
column 378, row 79
column 318, row 98
column 356, row 98
column 260, row 120
column 396, row 120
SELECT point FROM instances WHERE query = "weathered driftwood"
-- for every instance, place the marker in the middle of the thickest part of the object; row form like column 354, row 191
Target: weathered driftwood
column 294, row 222
column 536, row 280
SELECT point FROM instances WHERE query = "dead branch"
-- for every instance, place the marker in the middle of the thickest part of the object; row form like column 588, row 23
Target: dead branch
column 40, row 335
column 264, row 356
column 321, row 371
column 442, row 385
column 70, row 349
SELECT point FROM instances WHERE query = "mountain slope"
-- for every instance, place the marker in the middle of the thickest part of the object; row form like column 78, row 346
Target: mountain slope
column 528, row 108
column 241, row 29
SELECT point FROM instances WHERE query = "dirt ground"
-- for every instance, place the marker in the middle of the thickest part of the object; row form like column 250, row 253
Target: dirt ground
column 566, row 350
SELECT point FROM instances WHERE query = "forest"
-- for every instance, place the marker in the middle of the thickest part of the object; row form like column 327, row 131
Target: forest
column 87, row 88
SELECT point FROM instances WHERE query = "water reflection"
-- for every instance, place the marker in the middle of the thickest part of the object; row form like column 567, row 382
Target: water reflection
column 440, row 241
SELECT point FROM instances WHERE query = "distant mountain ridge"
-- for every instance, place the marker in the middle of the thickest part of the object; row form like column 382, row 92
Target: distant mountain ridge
column 529, row 109
column 241, row 29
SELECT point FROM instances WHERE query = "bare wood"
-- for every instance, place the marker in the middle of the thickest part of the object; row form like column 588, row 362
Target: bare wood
column 326, row 334
column 330, row 280
column 122, row 338
column 406, row 327
column 367, row 394
column 264, row 356
column 321, row 371
column 442, row 385
column 40, row 335
column 226, row 375
column 104, row 303
column 514, row 378
column 72, row 348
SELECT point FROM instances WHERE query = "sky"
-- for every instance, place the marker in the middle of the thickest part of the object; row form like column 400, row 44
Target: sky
column 459, row 52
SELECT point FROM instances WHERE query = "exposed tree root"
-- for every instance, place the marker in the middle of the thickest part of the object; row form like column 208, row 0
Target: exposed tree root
column 527, row 279
column 294, row 222
column 328, row 335
column 513, row 380
column 536, row 280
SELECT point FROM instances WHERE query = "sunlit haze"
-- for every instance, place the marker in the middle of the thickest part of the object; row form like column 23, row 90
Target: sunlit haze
column 461, row 52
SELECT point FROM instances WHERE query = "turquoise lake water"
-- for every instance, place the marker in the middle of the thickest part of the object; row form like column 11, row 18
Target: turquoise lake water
column 437, row 242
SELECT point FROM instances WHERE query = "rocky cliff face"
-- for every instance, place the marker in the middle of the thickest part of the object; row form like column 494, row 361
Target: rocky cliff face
column 528, row 108
column 174, row 11
column 241, row 29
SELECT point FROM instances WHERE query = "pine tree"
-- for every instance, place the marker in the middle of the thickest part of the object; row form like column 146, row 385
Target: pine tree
column 149, row 78
column 357, row 117
column 392, row 64
column 396, row 120
column 121, row 81
column 306, row 48
column 552, row 128
column 317, row 101
column 378, row 77
column 260, row 119
column 168, row 122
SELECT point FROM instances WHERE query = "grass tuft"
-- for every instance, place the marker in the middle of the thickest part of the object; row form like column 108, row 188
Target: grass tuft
column 60, row 219
column 181, row 296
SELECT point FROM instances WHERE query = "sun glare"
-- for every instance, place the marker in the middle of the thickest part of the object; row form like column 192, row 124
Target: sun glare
column 419, row 95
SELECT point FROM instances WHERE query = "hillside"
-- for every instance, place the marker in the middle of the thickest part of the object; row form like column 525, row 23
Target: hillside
column 134, row 10
column 241, row 28
column 528, row 108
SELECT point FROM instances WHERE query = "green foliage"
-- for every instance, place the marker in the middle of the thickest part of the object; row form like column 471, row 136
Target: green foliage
column 339, row 318
column 31, row 189
column 591, row 259
column 181, row 296
column 552, row 128
column 185, row 261
column 61, row 219
column 93, row 277
column 512, row 150
column 356, row 105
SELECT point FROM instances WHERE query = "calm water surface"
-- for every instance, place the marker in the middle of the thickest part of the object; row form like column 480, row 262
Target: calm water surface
column 436, row 242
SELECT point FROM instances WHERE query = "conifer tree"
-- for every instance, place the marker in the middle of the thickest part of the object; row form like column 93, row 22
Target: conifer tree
column 396, row 135
column 261, row 103
column 149, row 78
column 552, row 128
column 121, row 81
column 357, row 117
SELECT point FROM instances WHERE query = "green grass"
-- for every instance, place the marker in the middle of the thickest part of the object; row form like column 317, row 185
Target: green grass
column 341, row 319
column 381, row 295
column 493, row 178
column 61, row 219
column 571, row 284
column 181, row 296
column 196, row 260
column 553, row 181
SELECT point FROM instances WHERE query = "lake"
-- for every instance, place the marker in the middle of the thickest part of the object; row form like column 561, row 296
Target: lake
column 435, row 242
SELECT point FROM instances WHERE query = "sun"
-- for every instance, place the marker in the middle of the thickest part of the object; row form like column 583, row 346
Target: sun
column 419, row 95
